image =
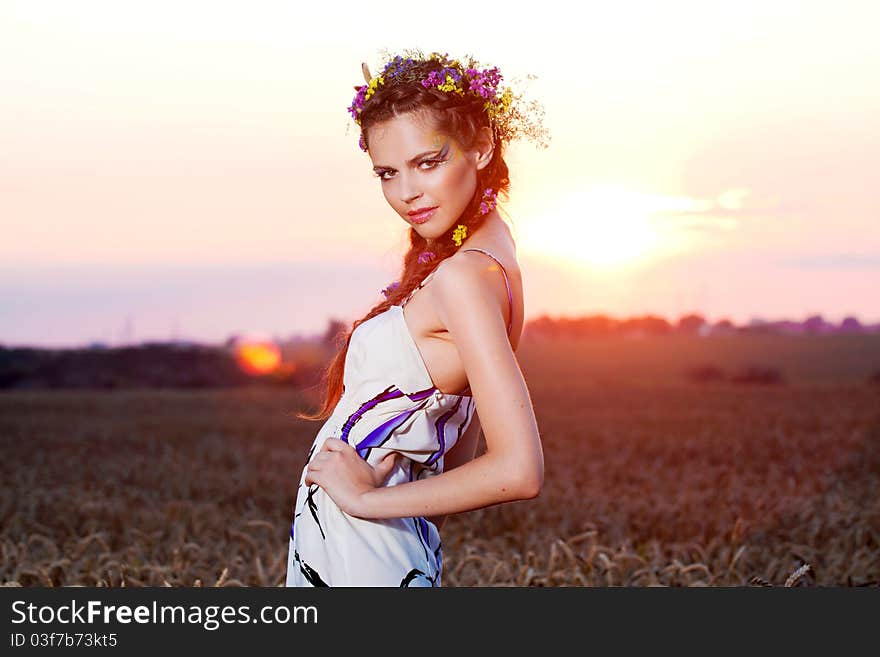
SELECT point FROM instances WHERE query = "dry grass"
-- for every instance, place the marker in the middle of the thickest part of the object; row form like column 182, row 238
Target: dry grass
column 646, row 485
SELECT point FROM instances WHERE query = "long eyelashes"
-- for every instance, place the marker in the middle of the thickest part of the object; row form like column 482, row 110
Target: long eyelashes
column 434, row 162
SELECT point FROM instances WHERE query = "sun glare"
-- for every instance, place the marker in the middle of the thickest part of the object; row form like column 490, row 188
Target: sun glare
column 603, row 226
column 256, row 356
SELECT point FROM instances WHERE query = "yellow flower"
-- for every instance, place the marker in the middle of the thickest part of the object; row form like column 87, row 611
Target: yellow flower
column 459, row 234
column 449, row 85
column 506, row 98
column 374, row 83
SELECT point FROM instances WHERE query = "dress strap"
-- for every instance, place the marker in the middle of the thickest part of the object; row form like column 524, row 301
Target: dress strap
column 417, row 288
column 506, row 282
column 503, row 271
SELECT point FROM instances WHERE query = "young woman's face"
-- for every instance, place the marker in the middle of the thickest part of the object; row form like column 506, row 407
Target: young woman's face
column 420, row 168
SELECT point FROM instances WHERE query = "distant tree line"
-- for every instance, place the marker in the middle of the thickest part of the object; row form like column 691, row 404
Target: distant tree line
column 185, row 364
column 689, row 324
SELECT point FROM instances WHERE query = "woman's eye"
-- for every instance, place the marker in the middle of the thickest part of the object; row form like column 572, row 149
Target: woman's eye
column 433, row 163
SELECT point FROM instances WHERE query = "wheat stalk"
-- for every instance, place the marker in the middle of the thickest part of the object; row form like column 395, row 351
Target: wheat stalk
column 797, row 574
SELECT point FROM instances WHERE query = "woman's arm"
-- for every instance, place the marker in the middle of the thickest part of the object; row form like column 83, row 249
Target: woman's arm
column 483, row 482
column 462, row 452
column 471, row 306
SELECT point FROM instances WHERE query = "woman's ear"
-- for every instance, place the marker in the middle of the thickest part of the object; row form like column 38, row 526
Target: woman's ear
column 484, row 148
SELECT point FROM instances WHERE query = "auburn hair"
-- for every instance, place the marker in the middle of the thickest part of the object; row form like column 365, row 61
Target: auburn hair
column 461, row 118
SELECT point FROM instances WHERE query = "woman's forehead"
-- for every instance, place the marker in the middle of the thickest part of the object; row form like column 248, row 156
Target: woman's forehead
column 402, row 138
column 411, row 127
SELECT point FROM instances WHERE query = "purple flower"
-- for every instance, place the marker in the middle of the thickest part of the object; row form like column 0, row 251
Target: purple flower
column 433, row 80
column 489, row 196
column 392, row 286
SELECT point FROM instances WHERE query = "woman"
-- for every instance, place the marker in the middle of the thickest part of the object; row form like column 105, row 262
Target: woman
column 396, row 453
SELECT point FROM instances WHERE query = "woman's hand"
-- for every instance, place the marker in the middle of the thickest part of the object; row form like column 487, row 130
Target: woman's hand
column 345, row 476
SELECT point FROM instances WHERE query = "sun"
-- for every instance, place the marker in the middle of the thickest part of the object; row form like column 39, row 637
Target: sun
column 257, row 356
column 602, row 226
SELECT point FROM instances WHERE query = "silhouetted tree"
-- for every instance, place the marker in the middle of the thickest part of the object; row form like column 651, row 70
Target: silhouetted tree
column 331, row 334
column 690, row 324
column 851, row 325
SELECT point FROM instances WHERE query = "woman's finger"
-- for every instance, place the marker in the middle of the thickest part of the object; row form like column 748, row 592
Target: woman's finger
column 334, row 445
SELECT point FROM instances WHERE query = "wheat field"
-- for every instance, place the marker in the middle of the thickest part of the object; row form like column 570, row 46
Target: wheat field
column 647, row 482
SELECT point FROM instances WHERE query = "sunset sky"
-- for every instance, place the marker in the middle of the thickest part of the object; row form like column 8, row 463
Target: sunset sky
column 189, row 169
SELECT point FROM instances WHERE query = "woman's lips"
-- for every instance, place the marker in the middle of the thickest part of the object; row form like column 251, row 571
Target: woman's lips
column 423, row 217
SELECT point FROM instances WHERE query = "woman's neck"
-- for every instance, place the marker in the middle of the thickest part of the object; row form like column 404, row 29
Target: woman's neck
column 492, row 231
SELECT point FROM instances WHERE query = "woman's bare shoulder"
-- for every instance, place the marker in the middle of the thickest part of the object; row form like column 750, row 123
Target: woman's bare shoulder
column 498, row 249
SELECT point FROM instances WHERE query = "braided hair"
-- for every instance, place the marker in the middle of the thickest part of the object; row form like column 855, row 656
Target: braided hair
column 463, row 117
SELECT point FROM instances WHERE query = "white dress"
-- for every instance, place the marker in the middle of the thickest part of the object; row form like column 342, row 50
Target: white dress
column 389, row 403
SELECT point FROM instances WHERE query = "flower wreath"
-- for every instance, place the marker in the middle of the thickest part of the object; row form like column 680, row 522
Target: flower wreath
column 510, row 116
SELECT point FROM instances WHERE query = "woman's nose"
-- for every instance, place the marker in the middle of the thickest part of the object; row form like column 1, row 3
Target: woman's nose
column 408, row 190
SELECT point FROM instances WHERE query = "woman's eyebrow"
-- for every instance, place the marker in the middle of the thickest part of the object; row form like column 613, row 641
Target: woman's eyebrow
column 418, row 157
